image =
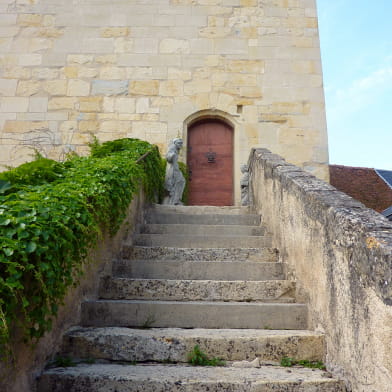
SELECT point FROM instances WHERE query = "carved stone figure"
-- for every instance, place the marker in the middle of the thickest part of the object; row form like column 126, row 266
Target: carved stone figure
column 244, row 183
column 174, row 180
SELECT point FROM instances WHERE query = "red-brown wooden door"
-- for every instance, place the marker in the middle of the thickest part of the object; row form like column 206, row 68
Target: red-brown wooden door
column 210, row 162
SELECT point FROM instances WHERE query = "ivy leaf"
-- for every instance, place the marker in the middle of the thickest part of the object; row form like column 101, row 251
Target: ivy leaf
column 8, row 251
column 31, row 247
column 5, row 222
column 4, row 186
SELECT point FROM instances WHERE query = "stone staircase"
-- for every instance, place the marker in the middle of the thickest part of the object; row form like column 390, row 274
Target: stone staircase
column 201, row 276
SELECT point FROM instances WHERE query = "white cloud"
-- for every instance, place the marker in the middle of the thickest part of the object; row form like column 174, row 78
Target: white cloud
column 345, row 101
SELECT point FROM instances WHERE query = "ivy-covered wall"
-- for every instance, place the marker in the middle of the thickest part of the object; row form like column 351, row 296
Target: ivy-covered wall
column 54, row 218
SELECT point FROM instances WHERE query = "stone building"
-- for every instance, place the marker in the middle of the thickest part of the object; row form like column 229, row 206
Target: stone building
column 225, row 75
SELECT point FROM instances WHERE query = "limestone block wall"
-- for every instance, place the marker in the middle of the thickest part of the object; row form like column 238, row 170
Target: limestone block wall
column 340, row 253
column 146, row 69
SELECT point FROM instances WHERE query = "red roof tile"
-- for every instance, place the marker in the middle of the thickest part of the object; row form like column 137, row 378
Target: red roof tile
column 363, row 184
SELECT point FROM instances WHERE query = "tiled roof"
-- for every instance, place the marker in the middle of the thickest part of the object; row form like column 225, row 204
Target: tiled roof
column 388, row 213
column 386, row 175
column 363, row 184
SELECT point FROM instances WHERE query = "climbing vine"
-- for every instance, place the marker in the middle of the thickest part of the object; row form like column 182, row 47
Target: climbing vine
column 51, row 214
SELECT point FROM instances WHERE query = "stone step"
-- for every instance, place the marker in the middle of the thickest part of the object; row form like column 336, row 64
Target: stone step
column 185, row 378
column 174, row 344
column 195, row 314
column 202, row 219
column 193, row 241
column 197, row 290
column 216, row 270
column 202, row 254
column 199, row 210
column 205, row 230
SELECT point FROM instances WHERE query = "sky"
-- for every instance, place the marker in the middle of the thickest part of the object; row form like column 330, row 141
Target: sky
column 356, row 52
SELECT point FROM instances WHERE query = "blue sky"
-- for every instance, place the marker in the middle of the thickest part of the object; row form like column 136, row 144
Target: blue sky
column 356, row 51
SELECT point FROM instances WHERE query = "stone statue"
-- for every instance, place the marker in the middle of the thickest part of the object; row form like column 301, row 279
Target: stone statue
column 174, row 180
column 244, row 183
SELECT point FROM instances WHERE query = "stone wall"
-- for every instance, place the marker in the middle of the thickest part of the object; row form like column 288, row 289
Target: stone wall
column 146, row 69
column 340, row 252
column 30, row 361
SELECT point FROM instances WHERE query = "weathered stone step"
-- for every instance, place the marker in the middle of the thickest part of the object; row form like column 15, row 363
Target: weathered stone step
column 202, row 254
column 216, row 270
column 193, row 241
column 195, row 314
column 199, row 210
column 175, row 378
column 174, row 344
column 197, row 290
column 205, row 230
column 202, row 219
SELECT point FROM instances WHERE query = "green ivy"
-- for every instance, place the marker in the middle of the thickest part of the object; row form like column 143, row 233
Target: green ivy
column 49, row 221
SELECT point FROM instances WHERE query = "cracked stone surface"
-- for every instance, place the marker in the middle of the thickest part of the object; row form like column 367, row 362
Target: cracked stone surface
column 218, row 254
column 163, row 378
column 197, row 290
column 173, row 344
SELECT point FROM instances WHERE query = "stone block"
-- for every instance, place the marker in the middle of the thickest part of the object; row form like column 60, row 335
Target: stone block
column 28, row 20
column 108, row 104
column 8, row 31
column 90, row 104
column 252, row 92
column 15, row 72
column 88, row 126
column 171, row 88
column 8, row 87
column 144, row 87
column 8, row 19
column 171, row 45
column 55, row 87
column 229, row 46
column 29, row 59
column 124, row 105
column 238, row 79
column 38, row 104
column 45, row 73
column 214, row 32
column 12, row 126
column 139, row 72
column 50, row 32
column 62, row 103
column 106, row 59
column 109, row 87
column 109, row 32
column 123, row 45
column 145, row 45
column 115, row 126
column 246, row 66
column 78, row 88
column 70, row 72
column 142, row 105
column 85, row 72
column 79, row 59
column 112, row 73
column 197, row 86
column 14, row 104
column 179, row 74
column 97, row 45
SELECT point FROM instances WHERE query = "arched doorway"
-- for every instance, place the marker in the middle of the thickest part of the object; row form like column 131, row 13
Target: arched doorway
column 210, row 163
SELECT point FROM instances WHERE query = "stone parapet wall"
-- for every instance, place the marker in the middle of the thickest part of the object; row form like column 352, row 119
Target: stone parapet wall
column 29, row 361
column 340, row 253
column 139, row 68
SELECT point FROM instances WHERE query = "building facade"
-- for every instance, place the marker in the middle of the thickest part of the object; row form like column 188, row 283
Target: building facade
column 160, row 69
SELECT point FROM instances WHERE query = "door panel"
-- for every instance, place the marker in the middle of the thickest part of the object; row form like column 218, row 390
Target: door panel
column 210, row 161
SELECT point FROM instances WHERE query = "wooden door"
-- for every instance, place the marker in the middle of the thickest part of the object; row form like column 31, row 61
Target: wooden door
column 210, row 162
